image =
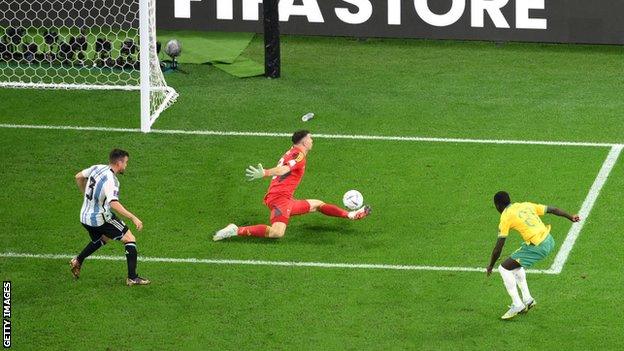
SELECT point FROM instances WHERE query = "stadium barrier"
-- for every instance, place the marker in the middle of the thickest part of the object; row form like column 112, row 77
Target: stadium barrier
column 555, row 21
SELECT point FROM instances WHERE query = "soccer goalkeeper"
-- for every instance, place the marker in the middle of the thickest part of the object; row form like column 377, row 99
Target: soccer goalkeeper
column 279, row 198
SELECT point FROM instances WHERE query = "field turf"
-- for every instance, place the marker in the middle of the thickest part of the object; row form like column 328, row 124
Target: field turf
column 431, row 202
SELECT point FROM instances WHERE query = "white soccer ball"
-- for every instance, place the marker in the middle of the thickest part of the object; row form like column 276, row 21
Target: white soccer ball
column 353, row 199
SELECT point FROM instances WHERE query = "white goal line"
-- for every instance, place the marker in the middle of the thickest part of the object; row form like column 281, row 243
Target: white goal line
column 320, row 136
column 265, row 263
column 556, row 268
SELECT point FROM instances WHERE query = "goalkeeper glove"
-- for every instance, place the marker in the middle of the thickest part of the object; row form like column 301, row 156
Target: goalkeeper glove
column 253, row 173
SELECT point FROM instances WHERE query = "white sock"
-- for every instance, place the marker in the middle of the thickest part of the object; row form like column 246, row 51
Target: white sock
column 520, row 274
column 509, row 279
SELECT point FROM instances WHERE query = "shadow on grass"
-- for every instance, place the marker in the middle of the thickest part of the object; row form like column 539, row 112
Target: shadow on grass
column 321, row 234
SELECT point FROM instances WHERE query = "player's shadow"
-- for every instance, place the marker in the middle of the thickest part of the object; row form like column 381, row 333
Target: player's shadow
column 325, row 228
column 320, row 234
column 246, row 240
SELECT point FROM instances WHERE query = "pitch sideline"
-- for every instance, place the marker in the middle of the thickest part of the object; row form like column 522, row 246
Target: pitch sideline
column 320, row 136
column 556, row 268
column 262, row 263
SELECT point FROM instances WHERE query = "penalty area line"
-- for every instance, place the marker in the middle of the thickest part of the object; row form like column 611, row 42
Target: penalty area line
column 588, row 204
column 264, row 263
column 319, row 136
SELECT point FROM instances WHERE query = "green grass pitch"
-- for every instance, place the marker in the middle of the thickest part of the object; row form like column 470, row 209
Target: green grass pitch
column 431, row 203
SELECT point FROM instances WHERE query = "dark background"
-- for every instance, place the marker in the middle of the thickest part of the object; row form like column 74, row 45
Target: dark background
column 569, row 21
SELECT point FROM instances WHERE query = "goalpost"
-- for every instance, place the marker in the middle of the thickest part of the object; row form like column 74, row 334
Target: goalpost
column 85, row 44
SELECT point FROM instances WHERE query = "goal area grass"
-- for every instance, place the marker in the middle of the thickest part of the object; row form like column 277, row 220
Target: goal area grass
column 432, row 202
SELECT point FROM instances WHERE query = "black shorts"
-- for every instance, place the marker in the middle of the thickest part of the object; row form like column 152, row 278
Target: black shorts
column 114, row 229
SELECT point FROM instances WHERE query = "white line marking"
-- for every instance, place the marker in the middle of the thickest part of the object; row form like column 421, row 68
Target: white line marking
column 265, row 263
column 556, row 267
column 74, row 86
column 320, row 136
column 586, row 208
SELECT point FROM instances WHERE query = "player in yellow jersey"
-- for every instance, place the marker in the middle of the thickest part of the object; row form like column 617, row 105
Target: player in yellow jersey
column 523, row 217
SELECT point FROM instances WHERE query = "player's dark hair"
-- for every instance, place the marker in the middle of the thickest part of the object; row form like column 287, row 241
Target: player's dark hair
column 116, row 155
column 298, row 135
column 501, row 200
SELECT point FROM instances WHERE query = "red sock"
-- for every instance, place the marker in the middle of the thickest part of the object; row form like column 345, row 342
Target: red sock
column 333, row 210
column 260, row 230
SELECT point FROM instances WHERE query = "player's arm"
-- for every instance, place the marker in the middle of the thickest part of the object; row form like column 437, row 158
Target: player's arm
column 81, row 181
column 276, row 171
column 112, row 197
column 118, row 207
column 561, row 213
column 498, row 249
column 257, row 172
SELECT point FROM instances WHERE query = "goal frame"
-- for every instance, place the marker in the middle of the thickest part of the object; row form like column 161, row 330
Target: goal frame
column 147, row 53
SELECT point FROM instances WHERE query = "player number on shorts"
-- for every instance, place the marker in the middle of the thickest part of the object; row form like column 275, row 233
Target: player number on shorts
column 89, row 194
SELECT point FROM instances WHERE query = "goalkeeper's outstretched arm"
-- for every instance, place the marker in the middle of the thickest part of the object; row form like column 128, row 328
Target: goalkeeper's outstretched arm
column 257, row 172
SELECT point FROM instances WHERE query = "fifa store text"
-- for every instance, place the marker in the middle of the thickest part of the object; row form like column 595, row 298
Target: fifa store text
column 360, row 11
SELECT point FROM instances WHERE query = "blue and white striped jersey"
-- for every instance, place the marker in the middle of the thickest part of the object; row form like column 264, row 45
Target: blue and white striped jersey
column 102, row 188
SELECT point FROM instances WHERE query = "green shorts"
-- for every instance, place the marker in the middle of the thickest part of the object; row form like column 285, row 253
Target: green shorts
column 527, row 254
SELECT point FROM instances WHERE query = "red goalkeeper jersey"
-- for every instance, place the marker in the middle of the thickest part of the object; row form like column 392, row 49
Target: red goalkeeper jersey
column 286, row 184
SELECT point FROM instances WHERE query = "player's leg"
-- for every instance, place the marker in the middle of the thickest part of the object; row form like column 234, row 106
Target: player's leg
column 118, row 230
column 527, row 299
column 327, row 209
column 514, row 264
column 306, row 206
column 330, row 209
column 277, row 230
column 301, row 207
column 527, row 256
column 129, row 242
column 96, row 242
column 509, row 280
column 281, row 209
column 257, row 230
column 88, row 250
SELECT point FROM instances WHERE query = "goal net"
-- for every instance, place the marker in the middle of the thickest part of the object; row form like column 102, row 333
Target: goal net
column 84, row 44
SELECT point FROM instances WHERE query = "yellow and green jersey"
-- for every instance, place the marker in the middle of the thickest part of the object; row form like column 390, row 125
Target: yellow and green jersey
column 524, row 217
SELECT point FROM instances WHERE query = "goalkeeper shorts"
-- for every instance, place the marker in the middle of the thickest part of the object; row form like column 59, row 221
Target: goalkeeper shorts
column 283, row 207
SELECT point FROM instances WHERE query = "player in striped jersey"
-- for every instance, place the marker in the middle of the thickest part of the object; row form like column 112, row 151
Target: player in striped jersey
column 285, row 179
column 100, row 187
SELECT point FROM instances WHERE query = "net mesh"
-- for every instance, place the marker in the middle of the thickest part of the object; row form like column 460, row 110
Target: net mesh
column 79, row 44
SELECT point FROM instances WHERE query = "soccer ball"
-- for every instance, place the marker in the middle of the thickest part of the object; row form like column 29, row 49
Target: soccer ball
column 353, row 199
